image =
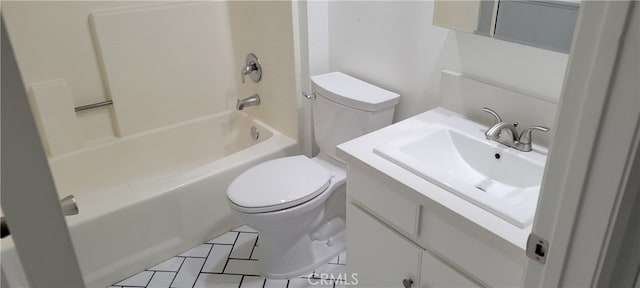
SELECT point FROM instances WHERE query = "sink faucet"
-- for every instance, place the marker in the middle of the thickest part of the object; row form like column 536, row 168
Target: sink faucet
column 502, row 132
column 253, row 100
column 507, row 134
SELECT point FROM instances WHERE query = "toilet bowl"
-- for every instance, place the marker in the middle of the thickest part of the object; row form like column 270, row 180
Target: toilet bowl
column 299, row 228
column 297, row 204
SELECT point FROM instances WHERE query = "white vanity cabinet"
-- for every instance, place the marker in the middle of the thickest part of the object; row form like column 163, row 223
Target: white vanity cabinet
column 378, row 256
column 391, row 260
column 393, row 240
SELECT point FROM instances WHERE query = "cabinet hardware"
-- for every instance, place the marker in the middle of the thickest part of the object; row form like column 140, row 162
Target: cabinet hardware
column 537, row 248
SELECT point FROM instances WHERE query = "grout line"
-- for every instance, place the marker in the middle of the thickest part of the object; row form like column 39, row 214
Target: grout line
column 243, row 259
column 216, row 273
column 254, row 246
column 206, row 258
column 174, row 276
column 234, row 245
column 163, row 270
column 148, row 282
column 264, row 283
column 241, row 279
column 244, row 231
column 288, row 283
column 195, row 281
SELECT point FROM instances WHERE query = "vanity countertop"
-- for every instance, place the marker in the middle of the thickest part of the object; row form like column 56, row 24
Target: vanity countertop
column 360, row 152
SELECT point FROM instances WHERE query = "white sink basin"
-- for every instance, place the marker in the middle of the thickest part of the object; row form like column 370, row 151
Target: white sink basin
column 455, row 155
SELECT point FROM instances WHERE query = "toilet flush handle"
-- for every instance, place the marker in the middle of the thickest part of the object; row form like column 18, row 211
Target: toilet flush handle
column 311, row 96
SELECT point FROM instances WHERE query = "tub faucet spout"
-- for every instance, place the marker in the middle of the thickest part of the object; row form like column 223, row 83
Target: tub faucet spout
column 253, row 100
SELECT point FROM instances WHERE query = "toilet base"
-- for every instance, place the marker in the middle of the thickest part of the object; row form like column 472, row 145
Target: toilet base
column 323, row 252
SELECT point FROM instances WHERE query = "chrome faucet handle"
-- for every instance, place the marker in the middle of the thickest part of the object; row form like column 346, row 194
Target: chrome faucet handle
column 525, row 136
column 246, row 70
column 252, row 68
column 493, row 113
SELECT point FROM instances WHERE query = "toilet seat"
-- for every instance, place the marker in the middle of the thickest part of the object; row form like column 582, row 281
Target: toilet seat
column 278, row 184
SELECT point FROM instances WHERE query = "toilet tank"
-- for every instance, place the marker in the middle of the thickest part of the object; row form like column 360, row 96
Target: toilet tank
column 346, row 108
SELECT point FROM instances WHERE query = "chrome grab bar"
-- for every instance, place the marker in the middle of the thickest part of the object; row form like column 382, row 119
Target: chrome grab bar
column 92, row 106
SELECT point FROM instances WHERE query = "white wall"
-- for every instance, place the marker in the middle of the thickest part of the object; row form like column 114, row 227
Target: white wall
column 394, row 45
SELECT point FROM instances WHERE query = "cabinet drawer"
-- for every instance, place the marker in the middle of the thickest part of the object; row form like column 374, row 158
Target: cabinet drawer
column 470, row 253
column 378, row 256
column 437, row 274
column 381, row 198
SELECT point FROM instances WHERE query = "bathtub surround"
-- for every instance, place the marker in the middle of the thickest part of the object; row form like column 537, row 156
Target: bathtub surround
column 229, row 260
column 163, row 63
column 85, row 55
column 53, row 111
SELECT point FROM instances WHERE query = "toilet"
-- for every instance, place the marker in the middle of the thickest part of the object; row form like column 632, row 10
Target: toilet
column 297, row 204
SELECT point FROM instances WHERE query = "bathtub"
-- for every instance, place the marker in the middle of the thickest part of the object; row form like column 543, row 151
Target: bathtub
column 145, row 198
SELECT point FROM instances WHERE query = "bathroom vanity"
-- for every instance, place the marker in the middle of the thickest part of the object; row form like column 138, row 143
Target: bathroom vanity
column 405, row 231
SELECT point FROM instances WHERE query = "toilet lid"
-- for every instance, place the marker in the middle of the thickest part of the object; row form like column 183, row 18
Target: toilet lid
column 278, row 184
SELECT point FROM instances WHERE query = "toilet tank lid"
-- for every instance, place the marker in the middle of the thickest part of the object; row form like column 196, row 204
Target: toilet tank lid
column 352, row 92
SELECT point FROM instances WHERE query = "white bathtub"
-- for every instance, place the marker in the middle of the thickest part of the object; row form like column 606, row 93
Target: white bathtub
column 145, row 198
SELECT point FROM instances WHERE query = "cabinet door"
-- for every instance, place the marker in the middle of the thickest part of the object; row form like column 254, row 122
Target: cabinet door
column 437, row 274
column 378, row 256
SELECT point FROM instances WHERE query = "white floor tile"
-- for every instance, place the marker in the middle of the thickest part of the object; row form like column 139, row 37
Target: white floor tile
column 173, row 264
column 198, row 251
column 256, row 253
column 244, row 245
column 276, row 283
column 217, row 259
column 226, row 238
column 245, row 267
column 339, row 284
column 310, row 283
column 218, row 281
column 333, row 271
column 342, row 258
column 230, row 260
column 245, row 228
column 188, row 273
column 140, row 279
column 252, row 282
column 161, row 279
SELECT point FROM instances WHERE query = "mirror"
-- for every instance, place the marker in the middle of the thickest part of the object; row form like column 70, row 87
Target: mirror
column 542, row 24
column 476, row 17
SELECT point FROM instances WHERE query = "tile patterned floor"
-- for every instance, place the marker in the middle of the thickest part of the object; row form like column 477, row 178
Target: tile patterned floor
column 229, row 260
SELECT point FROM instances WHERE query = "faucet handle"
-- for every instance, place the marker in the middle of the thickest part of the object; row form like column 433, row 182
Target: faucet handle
column 493, row 113
column 252, row 68
column 245, row 70
column 525, row 136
